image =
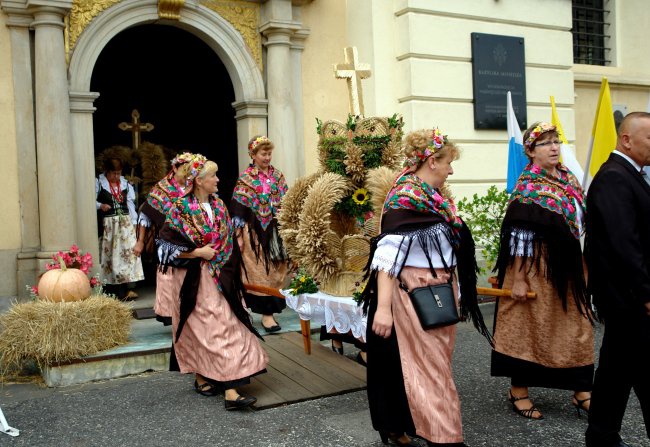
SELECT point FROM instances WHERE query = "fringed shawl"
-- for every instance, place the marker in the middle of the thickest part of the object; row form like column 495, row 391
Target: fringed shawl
column 160, row 200
column 541, row 222
column 186, row 228
column 422, row 216
column 256, row 201
column 158, row 204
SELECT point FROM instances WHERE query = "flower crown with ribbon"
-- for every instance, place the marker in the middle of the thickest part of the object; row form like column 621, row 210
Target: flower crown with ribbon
column 256, row 142
column 185, row 157
column 537, row 132
column 196, row 164
column 436, row 142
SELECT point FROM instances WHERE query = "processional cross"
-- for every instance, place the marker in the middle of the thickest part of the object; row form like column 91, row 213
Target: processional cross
column 136, row 127
column 353, row 71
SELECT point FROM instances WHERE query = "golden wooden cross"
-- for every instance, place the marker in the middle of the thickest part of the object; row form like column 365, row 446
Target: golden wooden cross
column 353, row 71
column 136, row 127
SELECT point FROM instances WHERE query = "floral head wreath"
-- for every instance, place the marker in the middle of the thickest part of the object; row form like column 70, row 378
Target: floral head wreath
column 436, row 142
column 256, row 142
column 196, row 164
column 537, row 132
column 185, row 157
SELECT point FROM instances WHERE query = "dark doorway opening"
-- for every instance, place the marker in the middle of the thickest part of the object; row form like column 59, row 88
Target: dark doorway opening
column 178, row 84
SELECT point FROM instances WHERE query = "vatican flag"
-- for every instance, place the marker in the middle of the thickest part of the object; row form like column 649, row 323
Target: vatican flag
column 567, row 155
column 603, row 135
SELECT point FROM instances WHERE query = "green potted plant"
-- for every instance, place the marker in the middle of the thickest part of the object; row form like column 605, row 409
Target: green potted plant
column 483, row 215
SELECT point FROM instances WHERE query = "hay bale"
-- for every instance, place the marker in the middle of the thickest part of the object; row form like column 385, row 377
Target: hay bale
column 49, row 333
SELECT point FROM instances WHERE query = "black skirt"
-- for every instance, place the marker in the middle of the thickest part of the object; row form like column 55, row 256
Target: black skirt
column 389, row 408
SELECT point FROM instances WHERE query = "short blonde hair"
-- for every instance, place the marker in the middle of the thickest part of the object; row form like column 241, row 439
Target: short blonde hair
column 210, row 167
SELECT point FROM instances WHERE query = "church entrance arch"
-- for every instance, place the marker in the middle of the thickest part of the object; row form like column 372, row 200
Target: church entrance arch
column 244, row 91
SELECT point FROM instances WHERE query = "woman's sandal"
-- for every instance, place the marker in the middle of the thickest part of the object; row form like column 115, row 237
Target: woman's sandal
column 580, row 404
column 205, row 389
column 528, row 412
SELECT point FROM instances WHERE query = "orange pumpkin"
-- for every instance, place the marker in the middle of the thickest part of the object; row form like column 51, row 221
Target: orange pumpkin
column 64, row 284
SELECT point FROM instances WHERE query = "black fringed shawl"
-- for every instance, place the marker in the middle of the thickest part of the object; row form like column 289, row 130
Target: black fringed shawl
column 429, row 230
column 184, row 231
column 541, row 218
column 252, row 206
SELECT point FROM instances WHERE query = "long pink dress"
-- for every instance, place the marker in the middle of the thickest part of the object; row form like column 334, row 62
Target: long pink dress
column 426, row 363
column 213, row 342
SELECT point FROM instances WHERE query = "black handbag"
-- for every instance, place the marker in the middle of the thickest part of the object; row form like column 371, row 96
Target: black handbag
column 434, row 305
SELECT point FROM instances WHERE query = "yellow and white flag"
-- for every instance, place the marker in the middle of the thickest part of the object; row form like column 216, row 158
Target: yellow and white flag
column 603, row 135
column 567, row 156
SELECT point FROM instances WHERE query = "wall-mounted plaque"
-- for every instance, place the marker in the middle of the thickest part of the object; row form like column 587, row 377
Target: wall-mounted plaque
column 498, row 66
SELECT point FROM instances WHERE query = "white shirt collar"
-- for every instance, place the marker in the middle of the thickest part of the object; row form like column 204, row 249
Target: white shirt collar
column 632, row 162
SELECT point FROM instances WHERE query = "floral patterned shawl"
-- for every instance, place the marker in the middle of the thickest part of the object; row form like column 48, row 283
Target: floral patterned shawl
column 260, row 192
column 163, row 195
column 411, row 193
column 189, row 219
column 558, row 195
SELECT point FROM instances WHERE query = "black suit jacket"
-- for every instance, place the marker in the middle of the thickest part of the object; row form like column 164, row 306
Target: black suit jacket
column 617, row 246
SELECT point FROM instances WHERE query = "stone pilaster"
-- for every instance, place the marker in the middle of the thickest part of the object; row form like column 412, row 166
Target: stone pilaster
column 56, row 173
column 18, row 23
column 297, row 47
column 280, row 94
column 251, row 120
column 81, row 109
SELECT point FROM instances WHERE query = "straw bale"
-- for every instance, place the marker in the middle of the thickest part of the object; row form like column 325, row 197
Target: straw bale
column 49, row 333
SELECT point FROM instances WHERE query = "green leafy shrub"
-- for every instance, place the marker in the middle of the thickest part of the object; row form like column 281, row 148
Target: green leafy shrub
column 483, row 215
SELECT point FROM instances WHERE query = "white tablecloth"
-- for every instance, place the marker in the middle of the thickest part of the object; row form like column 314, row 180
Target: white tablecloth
column 334, row 312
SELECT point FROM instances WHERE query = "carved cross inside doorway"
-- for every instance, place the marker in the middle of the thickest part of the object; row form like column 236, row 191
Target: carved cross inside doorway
column 353, row 71
column 136, row 127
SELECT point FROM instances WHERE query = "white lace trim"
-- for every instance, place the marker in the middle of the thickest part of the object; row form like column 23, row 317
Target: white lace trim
column 334, row 312
column 521, row 242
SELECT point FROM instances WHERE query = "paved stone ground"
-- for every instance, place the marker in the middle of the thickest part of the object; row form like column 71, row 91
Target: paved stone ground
column 160, row 409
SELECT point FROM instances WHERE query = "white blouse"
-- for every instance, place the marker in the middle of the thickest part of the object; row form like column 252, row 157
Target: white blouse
column 392, row 249
column 102, row 182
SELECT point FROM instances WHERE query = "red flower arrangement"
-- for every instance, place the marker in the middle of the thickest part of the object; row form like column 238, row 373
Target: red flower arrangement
column 75, row 259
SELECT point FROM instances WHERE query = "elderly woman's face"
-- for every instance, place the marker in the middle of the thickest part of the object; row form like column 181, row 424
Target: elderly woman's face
column 546, row 153
column 114, row 176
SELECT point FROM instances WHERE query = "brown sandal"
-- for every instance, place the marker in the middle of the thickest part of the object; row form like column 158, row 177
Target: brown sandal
column 528, row 412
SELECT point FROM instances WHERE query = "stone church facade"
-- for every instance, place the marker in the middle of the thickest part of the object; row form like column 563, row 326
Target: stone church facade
column 279, row 55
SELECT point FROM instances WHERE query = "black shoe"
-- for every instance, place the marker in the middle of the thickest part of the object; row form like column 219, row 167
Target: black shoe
column 240, row 402
column 360, row 360
column 337, row 350
column 394, row 439
column 205, row 389
column 272, row 329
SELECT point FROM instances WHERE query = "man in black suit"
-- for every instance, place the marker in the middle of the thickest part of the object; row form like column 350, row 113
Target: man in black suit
column 617, row 250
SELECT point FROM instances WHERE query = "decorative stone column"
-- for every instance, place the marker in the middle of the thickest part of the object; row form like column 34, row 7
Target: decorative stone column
column 26, row 266
column 251, row 120
column 56, row 176
column 297, row 47
column 279, row 81
column 81, row 121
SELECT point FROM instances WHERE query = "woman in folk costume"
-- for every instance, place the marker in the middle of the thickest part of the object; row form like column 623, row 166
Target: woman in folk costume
column 115, row 202
column 212, row 333
column 547, row 341
column 152, row 217
column 422, row 242
column 255, row 203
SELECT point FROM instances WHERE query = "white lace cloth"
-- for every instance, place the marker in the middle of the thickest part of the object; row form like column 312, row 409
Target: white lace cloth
column 334, row 312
